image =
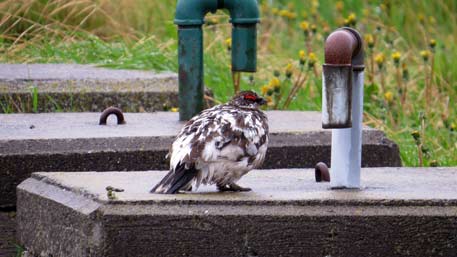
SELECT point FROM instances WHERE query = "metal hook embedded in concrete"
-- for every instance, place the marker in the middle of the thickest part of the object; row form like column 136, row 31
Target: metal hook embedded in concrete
column 244, row 16
column 342, row 104
column 321, row 172
column 112, row 110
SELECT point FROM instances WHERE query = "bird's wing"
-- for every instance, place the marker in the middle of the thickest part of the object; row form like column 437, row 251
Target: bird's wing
column 223, row 134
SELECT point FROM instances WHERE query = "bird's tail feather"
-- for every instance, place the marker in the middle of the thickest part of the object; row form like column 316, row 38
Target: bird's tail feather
column 175, row 180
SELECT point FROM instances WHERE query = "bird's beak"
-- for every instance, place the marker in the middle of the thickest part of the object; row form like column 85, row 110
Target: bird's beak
column 261, row 101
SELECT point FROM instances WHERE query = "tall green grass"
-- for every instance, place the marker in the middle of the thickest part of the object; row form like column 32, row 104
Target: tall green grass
column 140, row 34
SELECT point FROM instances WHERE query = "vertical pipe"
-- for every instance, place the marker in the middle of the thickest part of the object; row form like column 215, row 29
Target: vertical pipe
column 347, row 143
column 356, row 130
column 244, row 47
column 190, row 52
column 244, row 15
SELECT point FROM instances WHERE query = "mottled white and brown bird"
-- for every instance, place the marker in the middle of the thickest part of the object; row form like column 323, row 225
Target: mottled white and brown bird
column 218, row 146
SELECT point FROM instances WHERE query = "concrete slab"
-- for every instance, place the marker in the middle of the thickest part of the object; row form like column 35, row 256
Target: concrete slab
column 72, row 87
column 399, row 212
column 75, row 142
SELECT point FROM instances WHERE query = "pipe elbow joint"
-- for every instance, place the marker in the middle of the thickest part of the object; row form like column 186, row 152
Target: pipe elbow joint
column 242, row 11
column 344, row 47
column 192, row 12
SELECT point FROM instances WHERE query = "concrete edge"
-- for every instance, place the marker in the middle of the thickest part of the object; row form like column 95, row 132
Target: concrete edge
column 42, row 187
column 64, row 216
column 162, row 143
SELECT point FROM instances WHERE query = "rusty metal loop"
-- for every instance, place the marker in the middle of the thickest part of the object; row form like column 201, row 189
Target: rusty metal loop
column 321, row 172
column 112, row 110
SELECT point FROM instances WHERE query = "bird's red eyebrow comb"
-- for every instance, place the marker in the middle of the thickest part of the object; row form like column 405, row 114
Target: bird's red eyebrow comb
column 250, row 97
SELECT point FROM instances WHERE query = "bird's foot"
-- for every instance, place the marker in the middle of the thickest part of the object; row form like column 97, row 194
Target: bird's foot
column 232, row 188
column 186, row 190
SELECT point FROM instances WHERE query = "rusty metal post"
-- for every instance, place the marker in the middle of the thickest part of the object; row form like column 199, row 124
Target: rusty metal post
column 342, row 109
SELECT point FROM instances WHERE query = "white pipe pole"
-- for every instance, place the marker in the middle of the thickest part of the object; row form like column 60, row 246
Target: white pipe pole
column 346, row 153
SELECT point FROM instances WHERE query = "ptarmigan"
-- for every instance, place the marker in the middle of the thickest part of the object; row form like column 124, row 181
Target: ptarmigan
column 218, row 146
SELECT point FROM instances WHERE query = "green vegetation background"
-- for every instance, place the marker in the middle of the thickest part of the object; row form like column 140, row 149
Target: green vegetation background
column 411, row 75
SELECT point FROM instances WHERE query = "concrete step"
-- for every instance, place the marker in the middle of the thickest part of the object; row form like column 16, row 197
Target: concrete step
column 77, row 88
column 75, row 142
column 398, row 212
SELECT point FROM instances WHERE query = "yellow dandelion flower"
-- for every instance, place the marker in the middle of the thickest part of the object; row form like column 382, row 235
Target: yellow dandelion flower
column 228, row 43
column 416, row 135
column 421, row 18
column 312, row 58
column 313, row 11
column 174, row 109
column 291, row 15
column 339, row 6
column 274, row 82
column 454, row 127
column 304, row 26
column 264, row 89
column 313, row 28
column 289, row 70
column 274, row 10
column 432, row 20
column 352, row 19
column 380, row 58
column 396, row 57
column 370, row 40
column 425, row 55
column 283, row 13
column 302, row 57
column 270, row 101
column 432, row 43
column 389, row 97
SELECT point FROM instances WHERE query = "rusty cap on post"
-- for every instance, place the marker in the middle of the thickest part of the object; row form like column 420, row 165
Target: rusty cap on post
column 344, row 47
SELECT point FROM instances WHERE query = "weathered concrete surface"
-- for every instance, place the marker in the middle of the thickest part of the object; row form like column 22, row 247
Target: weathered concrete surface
column 72, row 87
column 74, row 142
column 7, row 233
column 399, row 212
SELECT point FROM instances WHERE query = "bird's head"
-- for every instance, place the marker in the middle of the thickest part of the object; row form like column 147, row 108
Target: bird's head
column 247, row 99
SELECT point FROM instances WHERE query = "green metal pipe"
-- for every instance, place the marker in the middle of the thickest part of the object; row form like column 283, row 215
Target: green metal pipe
column 190, row 52
column 192, row 12
column 244, row 15
column 244, row 47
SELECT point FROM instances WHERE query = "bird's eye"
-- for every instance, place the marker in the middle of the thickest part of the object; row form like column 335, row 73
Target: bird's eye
column 250, row 97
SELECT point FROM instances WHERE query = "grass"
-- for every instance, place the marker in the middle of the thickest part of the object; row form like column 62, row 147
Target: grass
column 140, row 34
